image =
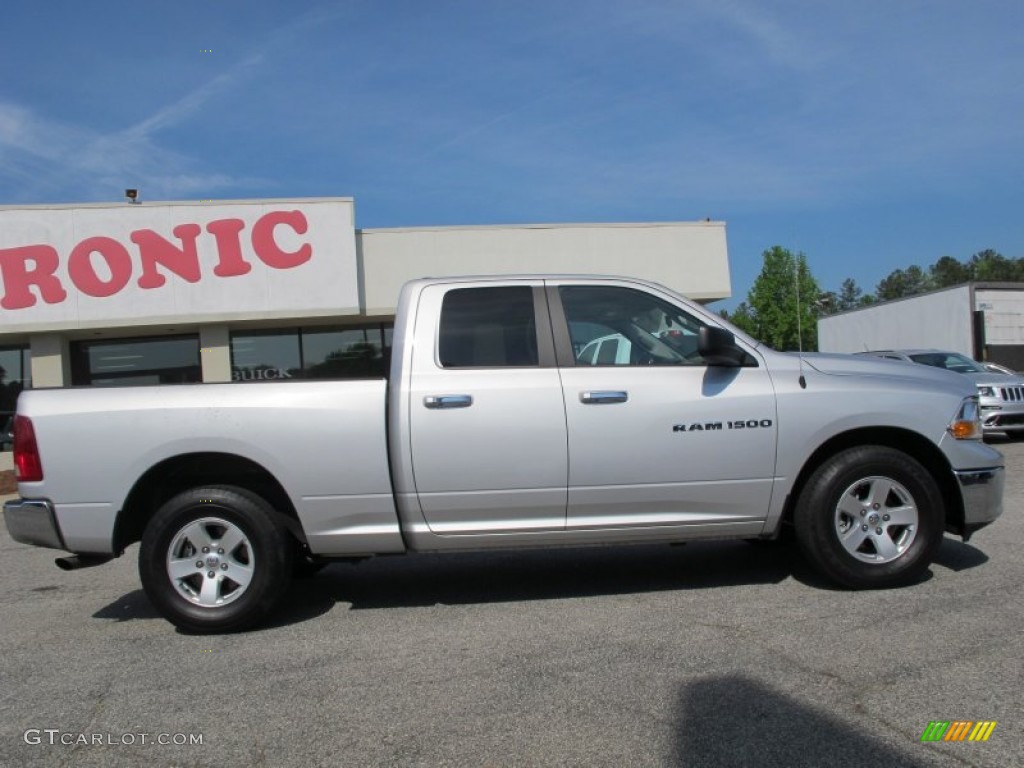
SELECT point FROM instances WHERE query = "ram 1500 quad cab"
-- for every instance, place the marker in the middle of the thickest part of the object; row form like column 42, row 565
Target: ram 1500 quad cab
column 502, row 425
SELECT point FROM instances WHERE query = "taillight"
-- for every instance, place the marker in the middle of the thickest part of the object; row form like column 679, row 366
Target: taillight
column 27, row 464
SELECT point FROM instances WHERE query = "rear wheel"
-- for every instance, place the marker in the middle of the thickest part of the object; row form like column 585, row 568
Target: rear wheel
column 870, row 517
column 215, row 559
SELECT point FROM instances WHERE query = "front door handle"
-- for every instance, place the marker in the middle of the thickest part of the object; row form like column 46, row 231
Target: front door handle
column 448, row 401
column 603, row 398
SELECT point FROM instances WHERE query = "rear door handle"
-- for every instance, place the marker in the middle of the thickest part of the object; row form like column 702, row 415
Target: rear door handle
column 448, row 401
column 603, row 398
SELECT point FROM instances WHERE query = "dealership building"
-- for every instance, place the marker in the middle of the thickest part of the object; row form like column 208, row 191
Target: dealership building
column 182, row 292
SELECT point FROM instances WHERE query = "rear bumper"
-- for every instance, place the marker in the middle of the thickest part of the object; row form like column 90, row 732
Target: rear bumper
column 33, row 521
column 982, row 492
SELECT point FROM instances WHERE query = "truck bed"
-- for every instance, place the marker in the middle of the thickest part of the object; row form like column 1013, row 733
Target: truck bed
column 324, row 441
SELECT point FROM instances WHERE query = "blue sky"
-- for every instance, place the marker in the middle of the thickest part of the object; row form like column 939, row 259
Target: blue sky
column 869, row 135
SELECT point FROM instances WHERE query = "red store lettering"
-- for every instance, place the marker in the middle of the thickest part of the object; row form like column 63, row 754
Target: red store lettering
column 102, row 266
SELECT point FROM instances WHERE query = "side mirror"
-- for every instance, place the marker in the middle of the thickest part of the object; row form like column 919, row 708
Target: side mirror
column 718, row 347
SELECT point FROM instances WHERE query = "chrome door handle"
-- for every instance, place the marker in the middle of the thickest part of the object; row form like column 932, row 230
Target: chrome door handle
column 448, row 401
column 602, row 398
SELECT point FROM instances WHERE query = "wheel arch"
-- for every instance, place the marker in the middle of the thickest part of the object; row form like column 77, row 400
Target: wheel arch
column 913, row 444
column 178, row 473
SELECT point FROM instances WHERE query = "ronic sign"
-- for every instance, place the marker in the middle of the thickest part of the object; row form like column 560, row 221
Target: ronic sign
column 36, row 265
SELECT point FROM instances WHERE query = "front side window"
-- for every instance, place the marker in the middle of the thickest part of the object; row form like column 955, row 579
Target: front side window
column 609, row 325
column 488, row 328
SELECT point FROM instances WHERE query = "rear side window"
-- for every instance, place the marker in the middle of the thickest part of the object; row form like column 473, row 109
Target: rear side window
column 488, row 328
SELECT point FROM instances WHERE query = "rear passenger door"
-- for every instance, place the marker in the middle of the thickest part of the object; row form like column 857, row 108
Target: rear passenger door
column 487, row 420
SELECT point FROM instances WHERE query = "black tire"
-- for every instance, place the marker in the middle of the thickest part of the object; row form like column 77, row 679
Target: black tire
column 258, row 553
column 870, row 517
column 1016, row 435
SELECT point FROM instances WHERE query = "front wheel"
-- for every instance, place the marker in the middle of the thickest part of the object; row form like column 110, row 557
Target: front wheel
column 870, row 517
column 215, row 559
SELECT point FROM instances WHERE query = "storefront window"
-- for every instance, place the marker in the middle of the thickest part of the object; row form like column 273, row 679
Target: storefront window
column 343, row 354
column 15, row 375
column 159, row 360
column 265, row 356
column 310, row 353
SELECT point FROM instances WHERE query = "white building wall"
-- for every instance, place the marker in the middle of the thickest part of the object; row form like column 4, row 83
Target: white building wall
column 940, row 320
column 82, row 267
column 689, row 257
column 51, row 366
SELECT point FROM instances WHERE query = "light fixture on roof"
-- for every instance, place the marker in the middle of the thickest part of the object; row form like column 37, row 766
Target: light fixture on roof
column 132, row 195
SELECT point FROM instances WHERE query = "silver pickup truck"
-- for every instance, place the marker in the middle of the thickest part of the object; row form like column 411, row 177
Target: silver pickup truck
column 501, row 426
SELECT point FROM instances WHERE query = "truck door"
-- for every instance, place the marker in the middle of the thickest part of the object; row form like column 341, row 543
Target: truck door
column 656, row 436
column 487, row 422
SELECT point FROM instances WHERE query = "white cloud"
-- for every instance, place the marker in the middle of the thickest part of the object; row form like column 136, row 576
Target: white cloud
column 44, row 160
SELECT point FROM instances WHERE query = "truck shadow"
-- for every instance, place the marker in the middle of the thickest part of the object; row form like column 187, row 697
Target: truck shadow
column 129, row 607
column 959, row 556
column 511, row 576
column 424, row 580
column 954, row 554
column 421, row 580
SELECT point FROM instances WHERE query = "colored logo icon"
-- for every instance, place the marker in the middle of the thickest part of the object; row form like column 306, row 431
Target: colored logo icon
column 958, row 730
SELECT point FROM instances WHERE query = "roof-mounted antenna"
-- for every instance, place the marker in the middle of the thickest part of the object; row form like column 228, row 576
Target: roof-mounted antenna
column 799, row 328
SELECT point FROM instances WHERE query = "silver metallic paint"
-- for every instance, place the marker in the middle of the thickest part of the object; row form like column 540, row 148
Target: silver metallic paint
column 525, row 463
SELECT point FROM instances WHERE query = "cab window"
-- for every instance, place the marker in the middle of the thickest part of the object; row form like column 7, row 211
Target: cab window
column 491, row 327
column 611, row 325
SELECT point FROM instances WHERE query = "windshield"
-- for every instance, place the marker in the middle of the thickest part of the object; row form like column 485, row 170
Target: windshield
column 951, row 361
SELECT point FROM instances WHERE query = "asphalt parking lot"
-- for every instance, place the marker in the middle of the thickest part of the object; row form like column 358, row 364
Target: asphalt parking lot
column 707, row 654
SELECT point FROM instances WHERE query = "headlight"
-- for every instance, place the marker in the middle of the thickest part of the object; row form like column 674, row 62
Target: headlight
column 986, row 392
column 966, row 425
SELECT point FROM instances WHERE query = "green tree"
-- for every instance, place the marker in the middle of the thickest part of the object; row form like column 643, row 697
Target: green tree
column 850, row 295
column 902, row 282
column 742, row 318
column 777, row 310
column 947, row 272
column 993, row 266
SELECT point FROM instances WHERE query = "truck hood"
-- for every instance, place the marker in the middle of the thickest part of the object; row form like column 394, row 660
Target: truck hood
column 990, row 379
column 864, row 365
column 869, row 365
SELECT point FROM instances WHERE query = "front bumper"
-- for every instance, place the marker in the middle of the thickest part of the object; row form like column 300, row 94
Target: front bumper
column 982, row 492
column 33, row 521
column 1002, row 417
